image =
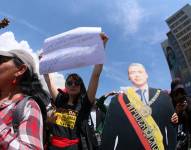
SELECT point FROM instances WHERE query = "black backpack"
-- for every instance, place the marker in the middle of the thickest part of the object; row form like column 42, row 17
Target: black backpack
column 18, row 114
column 87, row 132
column 88, row 136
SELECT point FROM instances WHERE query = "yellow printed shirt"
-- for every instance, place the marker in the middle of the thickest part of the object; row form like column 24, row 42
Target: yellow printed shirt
column 68, row 118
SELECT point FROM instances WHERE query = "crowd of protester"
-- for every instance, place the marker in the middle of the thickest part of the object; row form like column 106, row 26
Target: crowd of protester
column 73, row 118
column 181, row 117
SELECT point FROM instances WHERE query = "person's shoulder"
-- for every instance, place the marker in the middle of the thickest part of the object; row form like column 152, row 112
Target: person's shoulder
column 154, row 89
column 27, row 103
column 32, row 103
column 163, row 95
column 162, row 92
column 114, row 99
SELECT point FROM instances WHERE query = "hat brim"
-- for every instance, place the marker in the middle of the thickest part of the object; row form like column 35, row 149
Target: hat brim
column 6, row 53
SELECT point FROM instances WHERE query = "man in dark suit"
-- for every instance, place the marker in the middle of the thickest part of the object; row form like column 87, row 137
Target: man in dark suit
column 127, row 126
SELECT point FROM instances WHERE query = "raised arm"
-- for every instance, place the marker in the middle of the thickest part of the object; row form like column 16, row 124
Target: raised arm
column 100, row 102
column 93, row 84
column 51, row 85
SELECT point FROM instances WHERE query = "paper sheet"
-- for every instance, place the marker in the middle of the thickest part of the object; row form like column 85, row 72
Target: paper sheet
column 72, row 49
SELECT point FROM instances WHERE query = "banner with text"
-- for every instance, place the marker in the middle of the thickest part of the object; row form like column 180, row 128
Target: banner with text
column 72, row 49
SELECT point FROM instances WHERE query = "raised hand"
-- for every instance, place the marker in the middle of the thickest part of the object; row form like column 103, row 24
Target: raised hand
column 104, row 37
column 174, row 118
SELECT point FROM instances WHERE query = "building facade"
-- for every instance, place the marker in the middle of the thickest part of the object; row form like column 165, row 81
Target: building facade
column 177, row 48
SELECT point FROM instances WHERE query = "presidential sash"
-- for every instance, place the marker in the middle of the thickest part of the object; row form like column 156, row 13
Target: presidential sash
column 141, row 120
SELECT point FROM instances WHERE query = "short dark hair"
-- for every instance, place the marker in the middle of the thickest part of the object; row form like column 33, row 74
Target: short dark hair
column 178, row 92
column 175, row 82
column 177, row 85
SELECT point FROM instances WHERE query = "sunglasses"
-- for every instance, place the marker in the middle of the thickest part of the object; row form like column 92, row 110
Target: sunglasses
column 4, row 59
column 75, row 83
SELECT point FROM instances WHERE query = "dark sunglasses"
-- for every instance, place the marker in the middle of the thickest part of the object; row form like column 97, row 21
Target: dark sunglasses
column 75, row 83
column 4, row 59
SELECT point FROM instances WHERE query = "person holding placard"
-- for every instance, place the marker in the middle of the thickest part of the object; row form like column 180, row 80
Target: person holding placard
column 73, row 105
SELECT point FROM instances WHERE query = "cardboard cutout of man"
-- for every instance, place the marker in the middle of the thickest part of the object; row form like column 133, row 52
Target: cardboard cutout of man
column 139, row 118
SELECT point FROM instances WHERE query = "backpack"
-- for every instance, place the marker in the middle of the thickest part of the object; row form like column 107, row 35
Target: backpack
column 18, row 113
column 87, row 133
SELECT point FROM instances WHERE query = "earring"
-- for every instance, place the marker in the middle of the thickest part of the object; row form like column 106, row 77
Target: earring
column 65, row 90
column 14, row 81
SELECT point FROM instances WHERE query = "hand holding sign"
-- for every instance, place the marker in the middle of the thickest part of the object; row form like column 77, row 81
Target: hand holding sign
column 75, row 48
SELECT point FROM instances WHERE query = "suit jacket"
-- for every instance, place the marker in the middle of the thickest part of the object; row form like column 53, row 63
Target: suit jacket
column 118, row 134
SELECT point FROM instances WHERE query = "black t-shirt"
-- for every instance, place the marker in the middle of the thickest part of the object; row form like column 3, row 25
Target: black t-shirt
column 67, row 124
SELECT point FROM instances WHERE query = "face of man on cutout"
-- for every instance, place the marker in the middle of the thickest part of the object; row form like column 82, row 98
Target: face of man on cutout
column 137, row 75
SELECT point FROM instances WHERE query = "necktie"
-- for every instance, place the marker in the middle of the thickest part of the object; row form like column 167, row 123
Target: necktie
column 142, row 95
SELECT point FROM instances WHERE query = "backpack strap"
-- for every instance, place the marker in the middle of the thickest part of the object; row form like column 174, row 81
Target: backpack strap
column 18, row 113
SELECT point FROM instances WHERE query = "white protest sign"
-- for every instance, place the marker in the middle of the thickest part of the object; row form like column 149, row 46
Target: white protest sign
column 72, row 49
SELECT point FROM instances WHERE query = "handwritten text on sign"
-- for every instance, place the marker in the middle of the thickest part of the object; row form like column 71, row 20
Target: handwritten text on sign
column 72, row 49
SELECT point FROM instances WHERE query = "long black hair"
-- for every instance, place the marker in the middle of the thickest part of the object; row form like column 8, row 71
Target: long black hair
column 30, row 84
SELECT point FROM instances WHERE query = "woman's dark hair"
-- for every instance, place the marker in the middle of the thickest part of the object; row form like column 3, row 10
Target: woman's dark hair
column 31, row 85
